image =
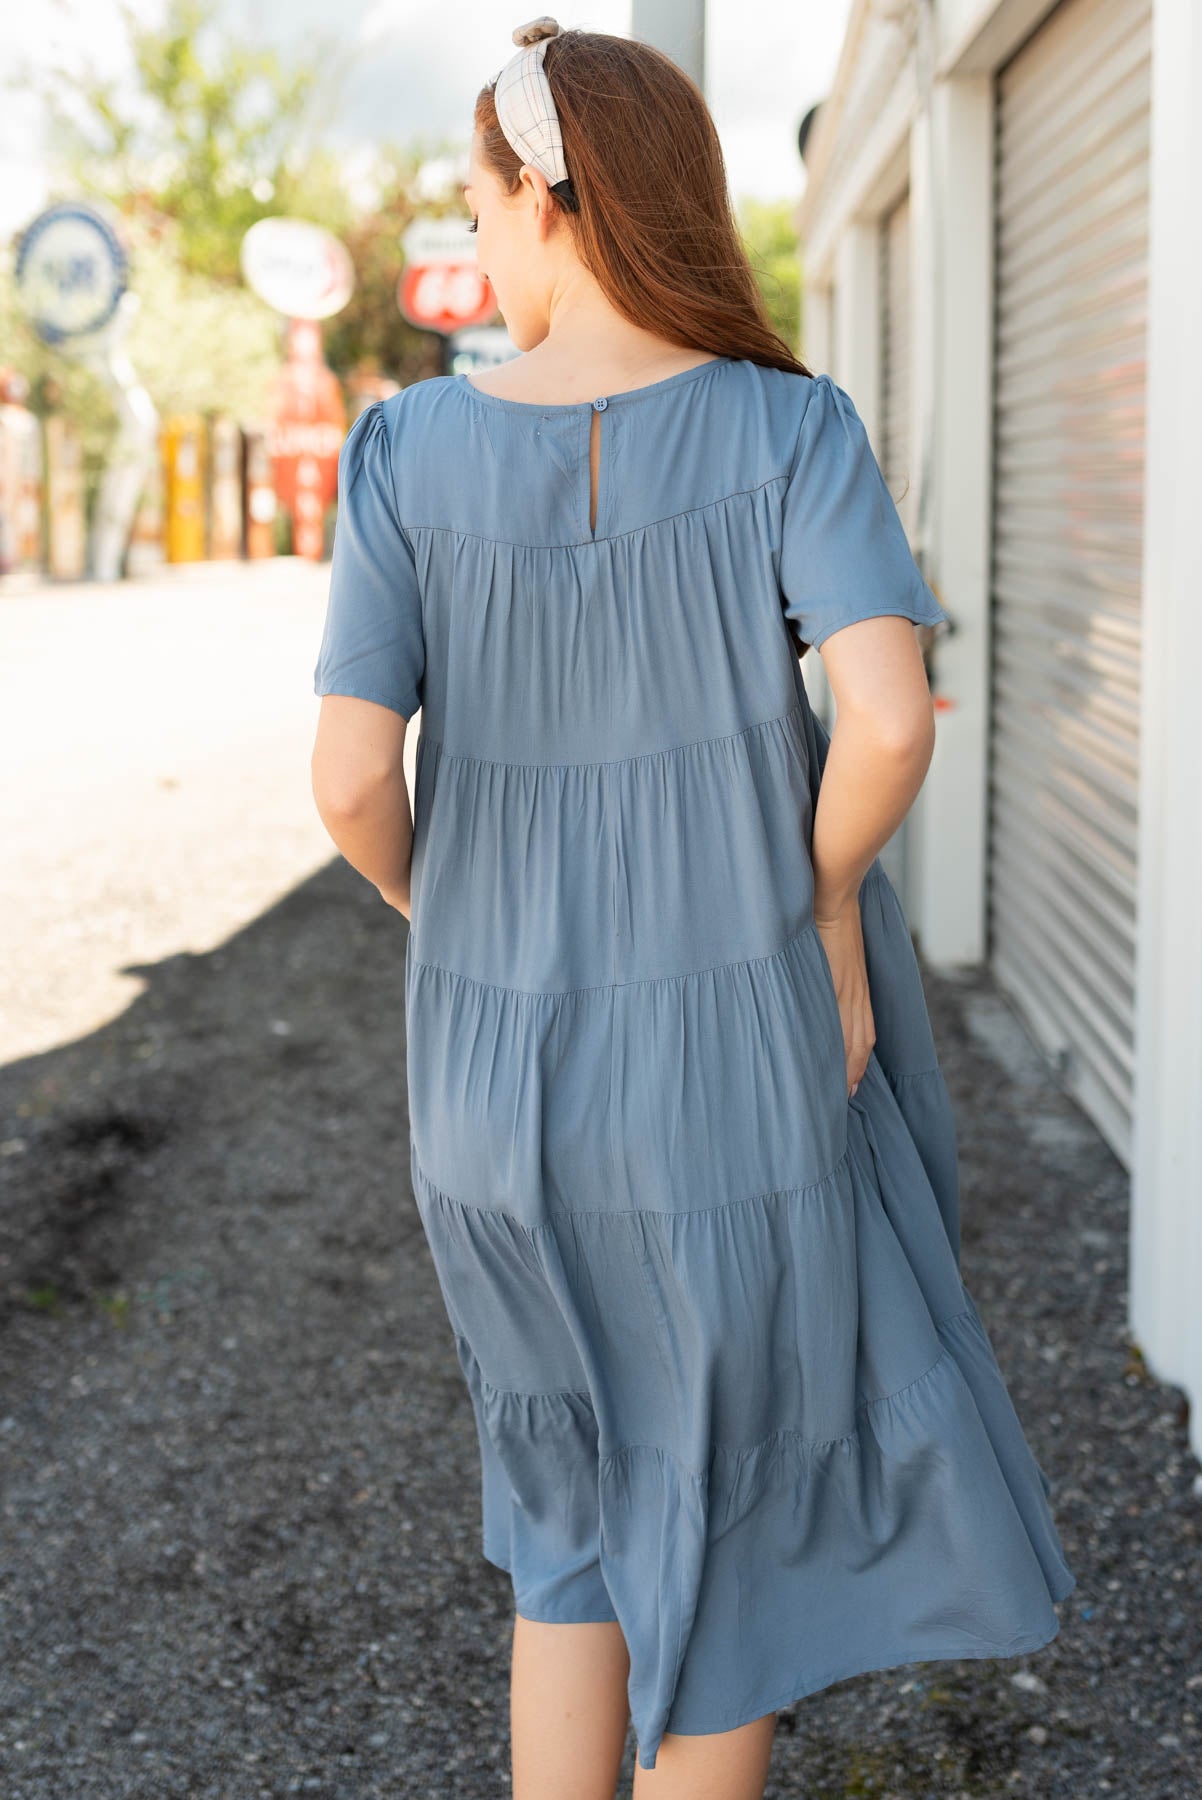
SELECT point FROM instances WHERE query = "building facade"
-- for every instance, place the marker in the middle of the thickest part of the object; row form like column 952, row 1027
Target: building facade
column 1002, row 258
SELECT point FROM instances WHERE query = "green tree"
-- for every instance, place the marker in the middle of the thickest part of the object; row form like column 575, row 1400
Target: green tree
column 771, row 239
column 208, row 131
column 213, row 134
column 371, row 330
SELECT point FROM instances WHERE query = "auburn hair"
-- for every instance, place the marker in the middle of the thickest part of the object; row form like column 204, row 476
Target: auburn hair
column 655, row 227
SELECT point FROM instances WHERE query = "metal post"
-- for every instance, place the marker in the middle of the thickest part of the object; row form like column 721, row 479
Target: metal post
column 677, row 27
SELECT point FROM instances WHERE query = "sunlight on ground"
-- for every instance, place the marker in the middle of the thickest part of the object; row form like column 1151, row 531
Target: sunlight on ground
column 155, row 737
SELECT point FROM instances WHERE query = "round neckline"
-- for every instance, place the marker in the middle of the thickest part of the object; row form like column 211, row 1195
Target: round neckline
column 615, row 399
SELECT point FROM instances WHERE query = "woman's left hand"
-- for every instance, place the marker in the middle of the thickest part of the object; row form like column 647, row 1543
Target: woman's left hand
column 843, row 940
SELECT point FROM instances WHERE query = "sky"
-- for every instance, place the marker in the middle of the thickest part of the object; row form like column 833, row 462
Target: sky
column 413, row 70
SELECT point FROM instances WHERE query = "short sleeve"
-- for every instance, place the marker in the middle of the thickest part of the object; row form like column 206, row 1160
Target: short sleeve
column 373, row 645
column 844, row 553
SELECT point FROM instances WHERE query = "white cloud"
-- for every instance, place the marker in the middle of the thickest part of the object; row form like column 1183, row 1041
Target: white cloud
column 388, row 18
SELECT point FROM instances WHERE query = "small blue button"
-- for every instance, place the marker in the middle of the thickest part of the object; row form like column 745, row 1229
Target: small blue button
column 600, row 405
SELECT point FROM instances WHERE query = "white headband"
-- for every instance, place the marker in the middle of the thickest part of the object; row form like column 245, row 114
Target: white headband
column 526, row 110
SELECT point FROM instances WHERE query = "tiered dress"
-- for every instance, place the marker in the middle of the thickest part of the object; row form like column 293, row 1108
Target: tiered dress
column 729, row 1386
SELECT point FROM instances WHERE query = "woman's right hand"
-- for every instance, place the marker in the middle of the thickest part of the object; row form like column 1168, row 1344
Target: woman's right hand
column 843, row 940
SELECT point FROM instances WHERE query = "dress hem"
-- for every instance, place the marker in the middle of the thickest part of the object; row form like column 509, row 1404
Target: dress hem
column 981, row 1650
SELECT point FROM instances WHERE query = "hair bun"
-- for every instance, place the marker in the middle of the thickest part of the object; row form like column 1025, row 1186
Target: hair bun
column 542, row 27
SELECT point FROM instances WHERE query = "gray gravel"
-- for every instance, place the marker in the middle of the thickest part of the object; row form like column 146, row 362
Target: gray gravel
column 240, row 1477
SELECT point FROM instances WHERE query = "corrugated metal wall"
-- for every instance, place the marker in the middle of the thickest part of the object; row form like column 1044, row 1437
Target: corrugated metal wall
column 1072, row 223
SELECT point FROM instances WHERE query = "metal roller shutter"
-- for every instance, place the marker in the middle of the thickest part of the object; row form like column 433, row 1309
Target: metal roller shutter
column 1072, row 121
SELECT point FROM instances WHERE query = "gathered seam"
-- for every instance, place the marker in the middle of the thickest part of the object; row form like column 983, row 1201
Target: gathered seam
column 785, row 1435
column 592, row 1212
column 610, row 762
column 605, row 987
column 587, row 543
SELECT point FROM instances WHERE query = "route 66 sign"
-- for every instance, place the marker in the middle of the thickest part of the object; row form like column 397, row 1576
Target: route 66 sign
column 440, row 287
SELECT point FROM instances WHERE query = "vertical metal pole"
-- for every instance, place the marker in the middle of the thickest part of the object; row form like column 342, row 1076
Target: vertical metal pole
column 134, row 448
column 677, row 27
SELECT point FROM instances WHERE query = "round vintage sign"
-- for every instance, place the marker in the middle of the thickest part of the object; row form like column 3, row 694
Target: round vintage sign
column 300, row 269
column 71, row 271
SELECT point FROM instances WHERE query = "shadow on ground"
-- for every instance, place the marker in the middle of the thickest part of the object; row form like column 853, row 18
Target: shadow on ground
column 240, row 1549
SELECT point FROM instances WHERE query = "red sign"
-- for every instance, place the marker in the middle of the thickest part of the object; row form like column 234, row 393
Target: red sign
column 445, row 296
column 306, row 436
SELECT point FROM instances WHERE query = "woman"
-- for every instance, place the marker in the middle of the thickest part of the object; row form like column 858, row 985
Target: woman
column 680, row 1141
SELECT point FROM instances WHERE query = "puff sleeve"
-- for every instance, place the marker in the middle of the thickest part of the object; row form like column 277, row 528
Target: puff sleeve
column 373, row 645
column 844, row 553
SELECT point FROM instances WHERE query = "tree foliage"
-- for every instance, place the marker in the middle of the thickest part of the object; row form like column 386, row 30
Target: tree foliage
column 212, row 134
column 206, row 130
column 203, row 133
column 371, row 330
column 771, row 239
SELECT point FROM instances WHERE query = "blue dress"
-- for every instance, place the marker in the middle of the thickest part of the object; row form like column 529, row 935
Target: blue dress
column 729, row 1387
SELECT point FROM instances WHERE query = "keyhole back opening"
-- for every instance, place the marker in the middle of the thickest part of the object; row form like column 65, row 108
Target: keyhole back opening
column 594, row 467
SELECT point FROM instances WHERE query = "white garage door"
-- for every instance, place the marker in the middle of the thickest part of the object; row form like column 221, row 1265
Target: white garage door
column 1072, row 220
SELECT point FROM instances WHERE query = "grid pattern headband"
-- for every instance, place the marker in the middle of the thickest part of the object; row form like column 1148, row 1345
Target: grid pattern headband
column 526, row 109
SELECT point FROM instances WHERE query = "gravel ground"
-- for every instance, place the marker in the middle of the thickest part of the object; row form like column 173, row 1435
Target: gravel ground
column 240, row 1475
column 240, row 1543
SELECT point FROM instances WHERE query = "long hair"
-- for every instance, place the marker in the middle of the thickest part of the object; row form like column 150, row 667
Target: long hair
column 655, row 227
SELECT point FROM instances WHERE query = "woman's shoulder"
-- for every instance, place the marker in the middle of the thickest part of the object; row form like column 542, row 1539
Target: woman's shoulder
column 415, row 433
column 800, row 396
column 768, row 414
column 482, row 471
column 426, row 421
column 418, row 399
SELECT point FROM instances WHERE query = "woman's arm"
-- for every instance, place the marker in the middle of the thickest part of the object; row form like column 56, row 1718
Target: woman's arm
column 362, row 797
column 879, row 753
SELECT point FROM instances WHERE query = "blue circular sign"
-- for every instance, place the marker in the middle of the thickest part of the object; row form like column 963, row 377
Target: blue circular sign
column 71, row 271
